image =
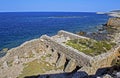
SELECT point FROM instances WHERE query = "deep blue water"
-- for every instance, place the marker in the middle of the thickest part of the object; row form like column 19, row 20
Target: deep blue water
column 16, row 28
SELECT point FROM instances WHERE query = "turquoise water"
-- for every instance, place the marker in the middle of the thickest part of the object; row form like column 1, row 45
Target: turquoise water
column 18, row 27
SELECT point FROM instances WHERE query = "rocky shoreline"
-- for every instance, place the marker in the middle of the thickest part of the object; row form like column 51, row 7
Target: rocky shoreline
column 3, row 52
column 108, row 31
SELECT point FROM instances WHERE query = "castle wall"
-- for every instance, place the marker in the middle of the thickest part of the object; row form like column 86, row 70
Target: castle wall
column 102, row 61
column 26, row 47
column 70, row 35
column 81, row 58
column 90, row 64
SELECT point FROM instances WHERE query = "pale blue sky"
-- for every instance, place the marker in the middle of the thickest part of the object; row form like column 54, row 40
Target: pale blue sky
column 58, row 5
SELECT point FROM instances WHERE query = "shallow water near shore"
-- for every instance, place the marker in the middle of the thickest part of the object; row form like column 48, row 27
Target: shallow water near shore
column 16, row 28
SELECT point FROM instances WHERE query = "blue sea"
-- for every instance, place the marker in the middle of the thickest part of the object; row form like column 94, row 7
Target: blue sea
column 18, row 27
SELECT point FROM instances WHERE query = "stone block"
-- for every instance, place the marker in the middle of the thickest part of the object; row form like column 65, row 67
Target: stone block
column 61, row 61
column 54, row 57
column 70, row 66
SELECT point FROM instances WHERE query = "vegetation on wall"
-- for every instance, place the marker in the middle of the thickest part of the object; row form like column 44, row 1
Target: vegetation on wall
column 90, row 46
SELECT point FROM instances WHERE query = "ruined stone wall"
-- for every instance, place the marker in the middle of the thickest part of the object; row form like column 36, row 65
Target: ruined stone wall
column 25, row 48
column 42, row 43
column 90, row 64
column 102, row 61
column 81, row 58
column 70, row 35
column 105, row 60
column 114, row 22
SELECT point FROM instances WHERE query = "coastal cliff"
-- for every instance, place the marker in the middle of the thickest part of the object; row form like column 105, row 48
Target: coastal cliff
column 46, row 56
column 114, row 22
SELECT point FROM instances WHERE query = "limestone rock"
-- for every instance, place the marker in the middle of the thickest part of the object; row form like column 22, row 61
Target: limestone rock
column 114, row 22
column 3, row 52
column 26, row 55
column 34, row 52
column 16, row 60
column 48, row 50
column 81, row 33
column 5, row 65
column 54, row 57
column 71, row 66
column 61, row 61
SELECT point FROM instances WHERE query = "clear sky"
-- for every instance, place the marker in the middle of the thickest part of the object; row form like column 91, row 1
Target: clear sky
column 58, row 5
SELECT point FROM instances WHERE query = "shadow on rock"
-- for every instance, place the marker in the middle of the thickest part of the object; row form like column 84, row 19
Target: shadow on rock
column 108, row 72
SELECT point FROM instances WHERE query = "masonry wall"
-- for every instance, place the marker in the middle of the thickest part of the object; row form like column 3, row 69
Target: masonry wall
column 70, row 35
column 81, row 58
column 26, row 47
column 90, row 64
column 40, row 44
column 103, row 60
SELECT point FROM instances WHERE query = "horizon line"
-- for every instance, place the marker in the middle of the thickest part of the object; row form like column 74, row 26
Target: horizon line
column 44, row 11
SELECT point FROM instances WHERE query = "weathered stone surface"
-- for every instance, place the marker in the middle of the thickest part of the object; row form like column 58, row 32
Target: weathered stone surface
column 16, row 60
column 5, row 50
column 70, row 66
column 5, row 65
column 71, row 53
column 34, row 52
column 102, row 61
column 26, row 55
column 70, row 35
column 54, row 57
column 81, row 33
column 61, row 61
column 114, row 22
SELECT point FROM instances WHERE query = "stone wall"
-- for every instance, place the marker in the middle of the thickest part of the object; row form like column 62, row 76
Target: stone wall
column 105, row 60
column 42, row 44
column 114, row 22
column 81, row 58
column 70, row 35
column 45, row 43
column 102, row 61
column 25, row 48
